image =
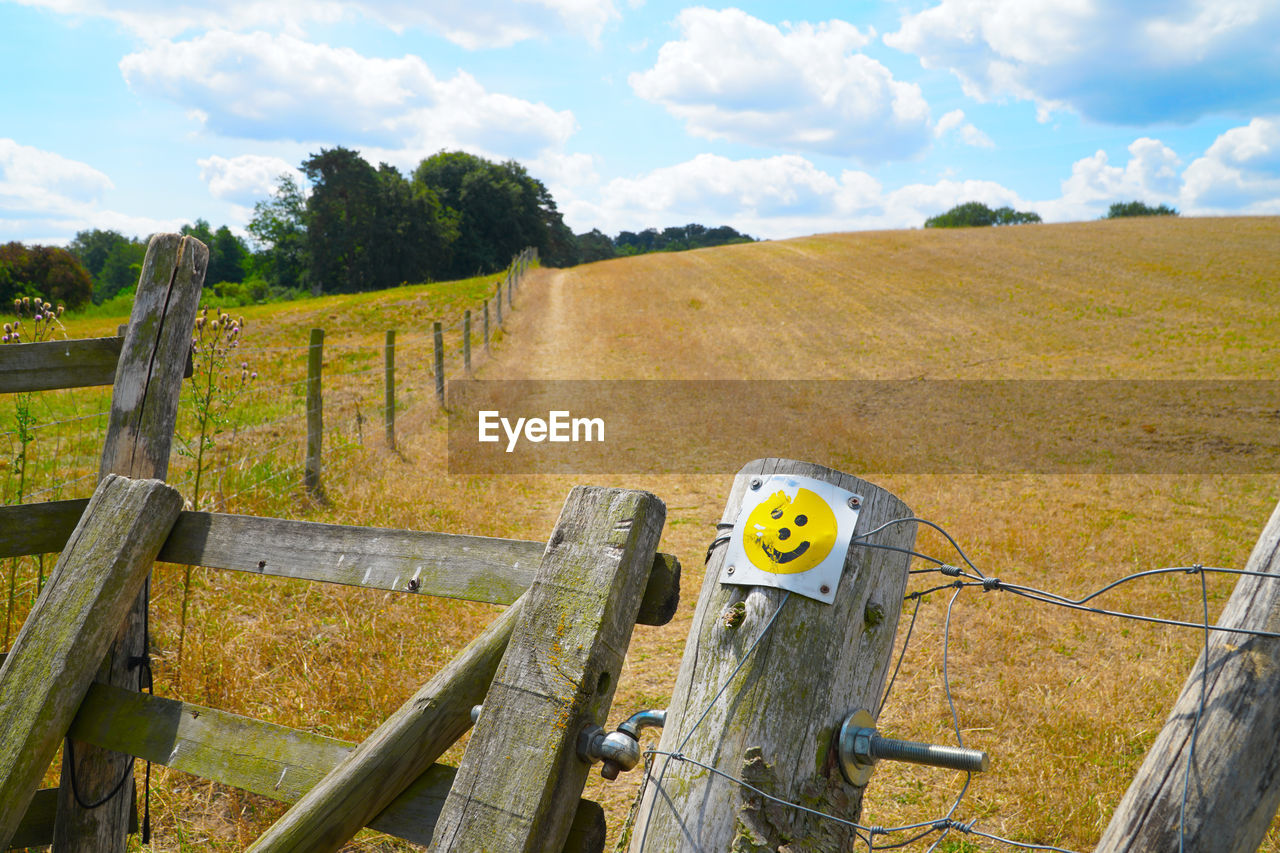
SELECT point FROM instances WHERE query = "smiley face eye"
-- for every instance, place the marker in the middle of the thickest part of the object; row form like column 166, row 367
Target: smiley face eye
column 784, row 533
column 802, row 520
column 776, row 513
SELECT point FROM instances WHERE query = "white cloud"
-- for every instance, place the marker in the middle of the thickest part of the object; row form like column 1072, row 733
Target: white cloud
column 1150, row 176
column 474, row 24
column 788, row 195
column 800, row 87
column 1124, row 63
column 1240, row 172
column 968, row 133
column 45, row 197
column 775, row 197
column 245, row 179
column 280, row 87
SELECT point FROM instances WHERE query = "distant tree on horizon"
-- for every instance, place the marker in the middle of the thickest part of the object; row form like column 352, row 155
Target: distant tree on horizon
column 975, row 214
column 1123, row 209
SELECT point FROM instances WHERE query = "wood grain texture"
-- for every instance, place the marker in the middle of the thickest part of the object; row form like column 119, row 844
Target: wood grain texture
column 369, row 778
column 51, row 365
column 774, row 725
column 473, row 568
column 58, row 364
column 1235, row 778
column 41, row 528
column 63, row 640
column 520, row 777
column 144, row 409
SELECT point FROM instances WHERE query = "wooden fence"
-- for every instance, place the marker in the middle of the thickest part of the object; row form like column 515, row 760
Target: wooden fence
column 549, row 665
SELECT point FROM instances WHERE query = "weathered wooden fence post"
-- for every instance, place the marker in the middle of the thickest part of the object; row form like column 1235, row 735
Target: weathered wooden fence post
column 466, row 340
column 510, row 287
column 437, row 341
column 56, row 654
column 486, row 325
column 144, row 410
column 389, row 390
column 315, row 415
column 520, row 780
column 774, row 725
column 1235, row 778
column 497, row 303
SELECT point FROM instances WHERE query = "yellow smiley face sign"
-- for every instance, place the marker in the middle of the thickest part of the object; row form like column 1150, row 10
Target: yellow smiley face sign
column 788, row 535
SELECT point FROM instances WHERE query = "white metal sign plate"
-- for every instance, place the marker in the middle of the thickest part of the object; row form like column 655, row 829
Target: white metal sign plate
column 792, row 533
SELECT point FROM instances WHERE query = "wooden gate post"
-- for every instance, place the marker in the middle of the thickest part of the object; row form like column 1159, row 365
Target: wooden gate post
column 144, row 410
column 520, row 780
column 775, row 723
column 1235, row 779
column 55, row 656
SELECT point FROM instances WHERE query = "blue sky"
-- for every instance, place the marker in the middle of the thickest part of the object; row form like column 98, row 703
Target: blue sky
column 778, row 119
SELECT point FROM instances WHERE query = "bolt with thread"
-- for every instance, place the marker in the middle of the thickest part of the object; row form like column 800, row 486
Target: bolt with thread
column 859, row 746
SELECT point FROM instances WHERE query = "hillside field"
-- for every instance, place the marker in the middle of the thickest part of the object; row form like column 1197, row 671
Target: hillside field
column 1065, row 703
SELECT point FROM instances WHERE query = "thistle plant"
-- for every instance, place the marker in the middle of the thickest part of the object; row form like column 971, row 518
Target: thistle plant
column 42, row 324
column 217, row 378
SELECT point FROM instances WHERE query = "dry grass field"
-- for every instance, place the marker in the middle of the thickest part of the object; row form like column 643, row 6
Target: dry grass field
column 1066, row 704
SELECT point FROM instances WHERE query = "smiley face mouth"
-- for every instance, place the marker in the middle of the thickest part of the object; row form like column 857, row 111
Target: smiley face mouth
column 784, row 556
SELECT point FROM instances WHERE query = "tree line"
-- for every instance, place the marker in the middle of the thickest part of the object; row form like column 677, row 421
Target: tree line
column 354, row 228
column 975, row 214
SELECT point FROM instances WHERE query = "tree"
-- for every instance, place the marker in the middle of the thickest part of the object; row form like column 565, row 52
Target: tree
column 975, row 214
column 121, row 270
column 279, row 229
column 48, row 271
column 413, row 230
column 501, row 209
column 595, row 245
column 340, row 214
column 93, row 246
column 1120, row 210
column 227, row 257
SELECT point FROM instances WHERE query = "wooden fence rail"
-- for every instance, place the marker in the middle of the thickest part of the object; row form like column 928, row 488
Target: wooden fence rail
column 450, row 565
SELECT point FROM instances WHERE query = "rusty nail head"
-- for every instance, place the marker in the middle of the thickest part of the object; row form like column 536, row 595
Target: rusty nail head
column 855, row 501
column 756, row 483
column 824, row 589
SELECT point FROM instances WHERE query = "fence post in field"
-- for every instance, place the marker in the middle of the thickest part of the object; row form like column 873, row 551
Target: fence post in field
column 315, row 415
column 497, row 303
column 1234, row 788
column 144, row 410
column 486, row 325
column 510, row 287
column 775, row 723
column 437, row 338
column 389, row 390
column 466, row 340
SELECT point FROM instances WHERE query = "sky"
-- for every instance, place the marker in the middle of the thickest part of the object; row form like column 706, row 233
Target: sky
column 777, row 119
